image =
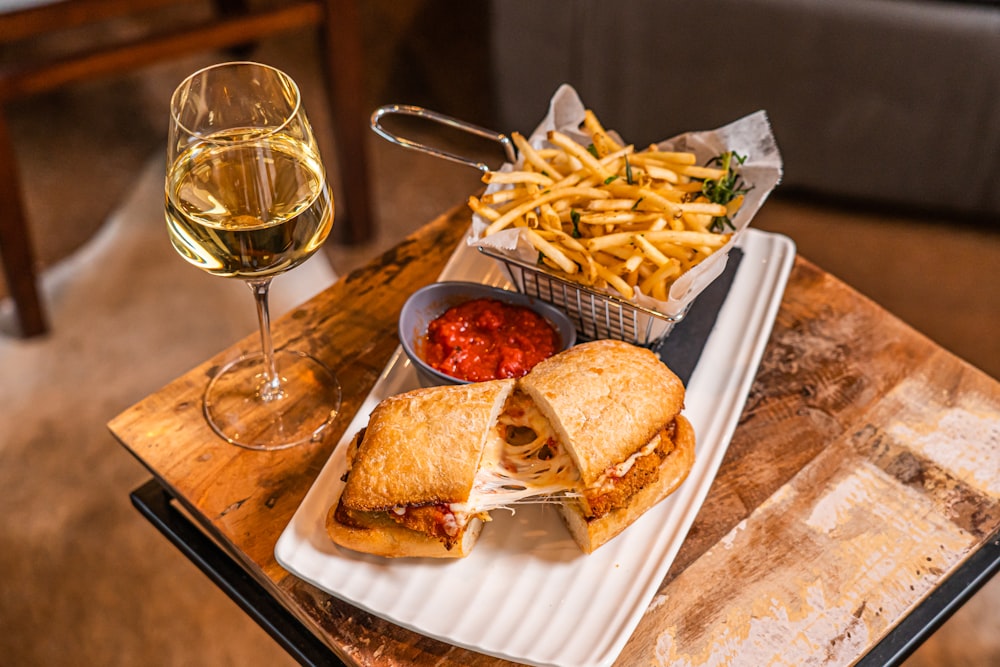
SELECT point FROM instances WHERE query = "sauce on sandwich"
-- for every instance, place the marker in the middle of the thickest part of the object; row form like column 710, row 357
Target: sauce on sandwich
column 487, row 339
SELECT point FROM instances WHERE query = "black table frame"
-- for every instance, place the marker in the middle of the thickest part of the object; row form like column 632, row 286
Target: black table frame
column 154, row 503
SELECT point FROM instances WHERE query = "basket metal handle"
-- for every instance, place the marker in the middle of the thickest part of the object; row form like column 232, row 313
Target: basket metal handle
column 409, row 110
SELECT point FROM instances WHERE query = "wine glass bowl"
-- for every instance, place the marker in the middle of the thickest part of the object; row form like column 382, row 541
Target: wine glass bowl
column 247, row 197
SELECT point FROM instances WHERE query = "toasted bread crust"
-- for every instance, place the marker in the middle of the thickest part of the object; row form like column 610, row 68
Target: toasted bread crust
column 446, row 425
column 377, row 534
column 591, row 533
column 605, row 398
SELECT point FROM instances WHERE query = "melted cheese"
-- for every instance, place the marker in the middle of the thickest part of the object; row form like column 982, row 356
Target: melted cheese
column 522, row 462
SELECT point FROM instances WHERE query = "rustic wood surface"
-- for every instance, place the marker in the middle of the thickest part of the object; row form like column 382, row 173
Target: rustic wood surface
column 863, row 471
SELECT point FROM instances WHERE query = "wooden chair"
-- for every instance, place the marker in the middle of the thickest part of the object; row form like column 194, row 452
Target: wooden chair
column 233, row 23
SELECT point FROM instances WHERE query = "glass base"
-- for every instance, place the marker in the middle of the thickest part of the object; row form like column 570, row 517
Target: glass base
column 296, row 409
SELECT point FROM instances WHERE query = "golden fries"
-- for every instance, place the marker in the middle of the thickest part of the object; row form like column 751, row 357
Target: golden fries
column 609, row 217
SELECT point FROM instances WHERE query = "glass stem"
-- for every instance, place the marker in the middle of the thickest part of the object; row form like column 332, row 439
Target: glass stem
column 270, row 388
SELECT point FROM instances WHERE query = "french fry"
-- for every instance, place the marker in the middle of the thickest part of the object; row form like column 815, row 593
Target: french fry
column 616, row 217
column 632, row 264
column 655, row 154
column 689, row 238
column 589, row 162
column 613, row 219
column 701, row 172
column 502, row 196
column 656, row 200
column 696, row 222
column 616, row 282
column 517, row 177
column 650, row 251
column 656, row 285
column 603, row 143
column 707, row 208
column 691, row 187
column 612, row 204
column 552, row 252
column 563, row 239
column 549, row 195
column 477, row 206
column 550, row 219
column 684, row 238
column 533, row 158
column 662, row 173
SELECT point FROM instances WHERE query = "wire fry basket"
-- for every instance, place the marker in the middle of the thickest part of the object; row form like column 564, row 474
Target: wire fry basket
column 594, row 314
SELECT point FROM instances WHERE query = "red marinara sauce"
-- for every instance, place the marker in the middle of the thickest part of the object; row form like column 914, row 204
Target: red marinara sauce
column 487, row 339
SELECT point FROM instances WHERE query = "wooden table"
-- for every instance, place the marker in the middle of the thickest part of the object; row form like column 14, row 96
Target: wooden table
column 862, row 477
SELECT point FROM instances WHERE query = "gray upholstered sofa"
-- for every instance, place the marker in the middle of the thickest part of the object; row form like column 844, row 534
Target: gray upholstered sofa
column 895, row 101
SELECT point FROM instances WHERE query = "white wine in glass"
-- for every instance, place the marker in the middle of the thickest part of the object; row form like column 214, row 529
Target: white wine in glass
column 247, row 197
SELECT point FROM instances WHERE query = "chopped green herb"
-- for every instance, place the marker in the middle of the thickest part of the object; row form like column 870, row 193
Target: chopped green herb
column 638, row 201
column 610, row 179
column 592, row 149
column 628, row 172
column 725, row 189
column 574, row 217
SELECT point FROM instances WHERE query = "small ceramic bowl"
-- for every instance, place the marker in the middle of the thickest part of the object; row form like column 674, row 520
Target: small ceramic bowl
column 427, row 303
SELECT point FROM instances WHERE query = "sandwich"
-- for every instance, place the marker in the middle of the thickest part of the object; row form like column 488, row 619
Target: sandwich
column 621, row 425
column 411, row 473
column 595, row 430
column 425, row 473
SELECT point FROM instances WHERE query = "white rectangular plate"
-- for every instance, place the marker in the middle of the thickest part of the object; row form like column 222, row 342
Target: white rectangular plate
column 527, row 593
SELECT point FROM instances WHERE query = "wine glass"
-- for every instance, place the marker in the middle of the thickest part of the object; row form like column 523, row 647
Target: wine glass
column 247, row 197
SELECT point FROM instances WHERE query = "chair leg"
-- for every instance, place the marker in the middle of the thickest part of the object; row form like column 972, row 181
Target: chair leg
column 15, row 243
column 343, row 66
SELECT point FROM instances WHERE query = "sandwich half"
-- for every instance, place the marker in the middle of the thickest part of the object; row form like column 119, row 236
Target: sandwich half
column 614, row 408
column 412, row 470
